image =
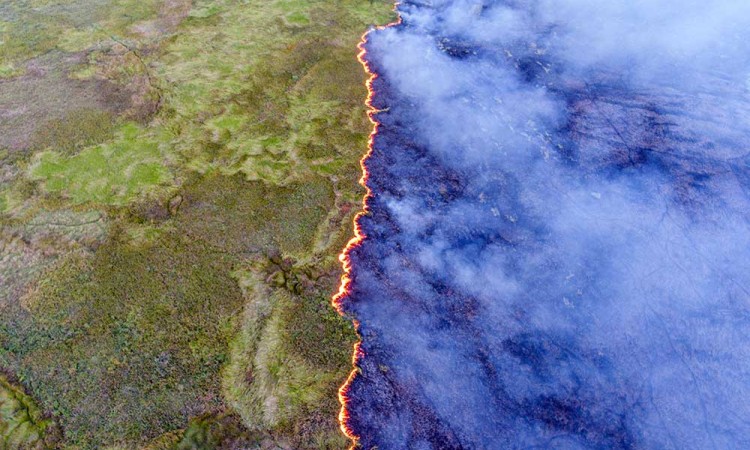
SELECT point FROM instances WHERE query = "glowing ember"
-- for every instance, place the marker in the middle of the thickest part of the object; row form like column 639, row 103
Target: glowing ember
column 557, row 242
column 359, row 236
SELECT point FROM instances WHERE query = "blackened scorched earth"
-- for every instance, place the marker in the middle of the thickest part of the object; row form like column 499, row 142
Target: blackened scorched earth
column 557, row 255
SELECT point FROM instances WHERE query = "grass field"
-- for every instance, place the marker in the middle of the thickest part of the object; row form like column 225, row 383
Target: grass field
column 176, row 180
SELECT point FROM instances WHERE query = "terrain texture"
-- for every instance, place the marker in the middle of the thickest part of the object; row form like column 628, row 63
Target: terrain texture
column 556, row 252
column 177, row 178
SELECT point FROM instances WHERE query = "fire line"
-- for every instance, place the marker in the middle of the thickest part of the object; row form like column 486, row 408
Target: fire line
column 359, row 236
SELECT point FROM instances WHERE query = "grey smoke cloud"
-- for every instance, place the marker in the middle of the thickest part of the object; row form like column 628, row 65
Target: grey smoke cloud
column 558, row 243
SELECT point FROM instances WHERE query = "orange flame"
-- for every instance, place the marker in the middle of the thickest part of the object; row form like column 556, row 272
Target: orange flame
column 359, row 236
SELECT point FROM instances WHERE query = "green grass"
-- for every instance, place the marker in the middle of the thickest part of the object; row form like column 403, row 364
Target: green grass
column 248, row 217
column 291, row 355
column 184, row 327
column 275, row 94
column 107, row 174
column 128, row 344
column 144, row 325
column 23, row 426
column 9, row 70
column 78, row 129
column 33, row 27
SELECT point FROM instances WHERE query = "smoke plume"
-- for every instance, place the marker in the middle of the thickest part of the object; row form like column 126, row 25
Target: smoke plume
column 557, row 249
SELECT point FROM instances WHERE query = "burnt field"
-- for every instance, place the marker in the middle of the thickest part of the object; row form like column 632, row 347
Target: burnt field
column 556, row 250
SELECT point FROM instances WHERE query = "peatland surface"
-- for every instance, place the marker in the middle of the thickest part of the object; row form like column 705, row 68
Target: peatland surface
column 177, row 178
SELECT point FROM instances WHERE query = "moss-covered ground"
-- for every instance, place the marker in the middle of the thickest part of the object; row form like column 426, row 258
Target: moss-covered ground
column 177, row 178
column 23, row 425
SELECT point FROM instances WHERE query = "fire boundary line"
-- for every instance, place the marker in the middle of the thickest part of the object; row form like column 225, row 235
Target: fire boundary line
column 359, row 236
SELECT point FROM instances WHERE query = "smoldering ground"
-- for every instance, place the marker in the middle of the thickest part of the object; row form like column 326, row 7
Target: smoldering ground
column 558, row 240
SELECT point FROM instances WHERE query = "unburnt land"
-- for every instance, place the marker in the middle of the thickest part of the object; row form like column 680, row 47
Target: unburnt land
column 176, row 180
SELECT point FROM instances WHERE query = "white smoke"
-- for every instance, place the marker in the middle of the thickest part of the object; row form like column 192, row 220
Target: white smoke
column 568, row 264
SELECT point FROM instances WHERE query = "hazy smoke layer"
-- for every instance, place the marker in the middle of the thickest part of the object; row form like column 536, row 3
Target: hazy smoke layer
column 558, row 249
